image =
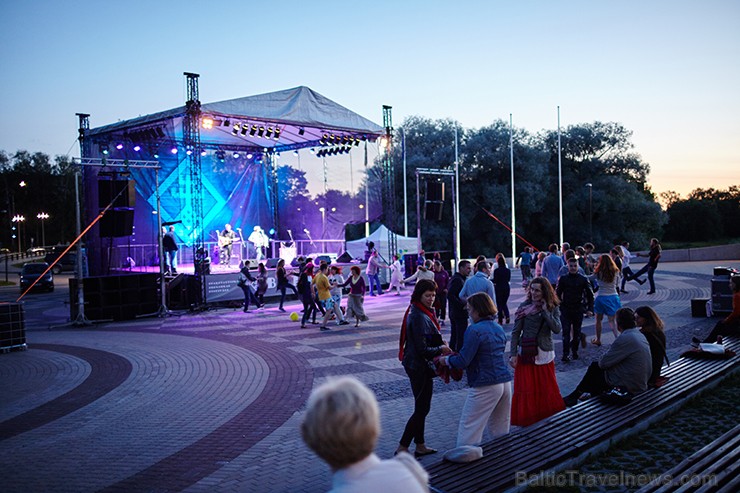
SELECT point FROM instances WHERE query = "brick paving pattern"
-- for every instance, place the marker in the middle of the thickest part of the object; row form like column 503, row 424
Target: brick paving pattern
column 212, row 401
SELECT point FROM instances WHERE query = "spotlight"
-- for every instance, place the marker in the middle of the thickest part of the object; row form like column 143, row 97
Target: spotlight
column 104, row 149
column 268, row 134
column 277, row 133
column 119, row 146
column 261, row 131
column 301, row 131
column 312, row 150
column 137, row 148
column 188, row 152
column 203, row 153
column 173, row 150
column 227, row 123
column 221, row 156
column 253, row 130
column 295, row 153
column 235, row 130
column 236, row 155
column 250, row 156
column 207, row 122
column 272, row 231
column 245, row 127
column 156, row 155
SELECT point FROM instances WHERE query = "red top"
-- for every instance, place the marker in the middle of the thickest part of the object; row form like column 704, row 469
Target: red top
column 735, row 315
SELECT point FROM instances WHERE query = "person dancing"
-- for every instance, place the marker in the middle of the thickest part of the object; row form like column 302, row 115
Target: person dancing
column 283, row 282
column 421, row 340
column 536, row 391
column 607, row 300
column 652, row 264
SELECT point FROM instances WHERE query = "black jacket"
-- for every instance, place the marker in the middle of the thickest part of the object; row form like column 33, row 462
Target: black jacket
column 423, row 342
column 457, row 306
column 572, row 290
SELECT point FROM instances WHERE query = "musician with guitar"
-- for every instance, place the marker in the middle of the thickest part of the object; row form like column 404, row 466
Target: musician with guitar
column 226, row 240
column 260, row 241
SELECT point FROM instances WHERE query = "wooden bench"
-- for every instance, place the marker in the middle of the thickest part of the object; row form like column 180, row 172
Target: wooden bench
column 715, row 468
column 567, row 438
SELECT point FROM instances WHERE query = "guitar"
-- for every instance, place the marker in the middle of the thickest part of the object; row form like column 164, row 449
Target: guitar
column 224, row 241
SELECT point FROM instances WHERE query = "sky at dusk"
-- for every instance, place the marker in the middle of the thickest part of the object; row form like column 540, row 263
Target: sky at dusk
column 667, row 70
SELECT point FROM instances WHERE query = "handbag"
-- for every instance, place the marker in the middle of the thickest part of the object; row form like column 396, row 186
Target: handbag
column 528, row 350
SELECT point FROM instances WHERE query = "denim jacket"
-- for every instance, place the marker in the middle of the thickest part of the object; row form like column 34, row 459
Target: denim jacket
column 483, row 354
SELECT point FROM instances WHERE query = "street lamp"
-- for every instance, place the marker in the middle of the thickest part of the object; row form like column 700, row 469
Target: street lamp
column 19, row 219
column 323, row 222
column 42, row 216
column 590, row 213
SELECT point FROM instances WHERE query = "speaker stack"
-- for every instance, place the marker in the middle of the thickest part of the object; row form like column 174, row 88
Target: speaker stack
column 435, row 198
column 119, row 220
column 116, row 297
column 12, row 327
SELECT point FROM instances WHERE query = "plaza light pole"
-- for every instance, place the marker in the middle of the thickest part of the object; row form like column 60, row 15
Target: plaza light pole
column 43, row 216
column 19, row 219
column 590, row 214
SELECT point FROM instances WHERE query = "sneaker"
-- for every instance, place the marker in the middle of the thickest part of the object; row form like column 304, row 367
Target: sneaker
column 624, row 292
column 641, row 281
column 575, row 356
column 343, row 322
column 565, row 358
column 324, row 329
column 282, row 309
column 651, row 292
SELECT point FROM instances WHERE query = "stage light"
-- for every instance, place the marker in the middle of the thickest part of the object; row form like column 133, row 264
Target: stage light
column 203, row 153
column 295, row 153
column 272, row 231
column 207, row 122
column 253, row 131
column 156, row 155
column 301, row 131
column 312, row 150
column 188, row 152
column 137, row 148
column 221, row 156
column 250, row 155
column 235, row 130
column 236, row 155
column 173, row 150
column 245, row 127
column 119, row 146
column 268, row 134
column 277, row 133
column 261, row 131
column 227, row 123
column 104, row 149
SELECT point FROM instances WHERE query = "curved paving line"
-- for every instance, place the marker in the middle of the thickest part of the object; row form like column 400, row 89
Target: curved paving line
column 288, row 385
column 107, row 371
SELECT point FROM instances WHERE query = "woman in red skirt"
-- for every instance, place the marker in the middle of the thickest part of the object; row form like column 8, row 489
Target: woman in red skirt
column 536, row 391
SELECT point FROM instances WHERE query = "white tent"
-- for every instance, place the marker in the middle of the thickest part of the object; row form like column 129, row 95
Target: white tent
column 357, row 248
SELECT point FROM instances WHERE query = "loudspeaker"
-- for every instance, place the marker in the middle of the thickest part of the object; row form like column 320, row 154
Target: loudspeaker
column 272, row 263
column 435, row 191
column 433, row 211
column 116, row 223
column 108, row 189
column 344, row 258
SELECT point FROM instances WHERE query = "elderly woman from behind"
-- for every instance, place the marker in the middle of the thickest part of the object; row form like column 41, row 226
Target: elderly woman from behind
column 488, row 404
column 341, row 425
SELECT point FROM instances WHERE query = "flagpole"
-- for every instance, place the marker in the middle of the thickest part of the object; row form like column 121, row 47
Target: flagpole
column 560, row 181
column 456, row 212
column 513, row 215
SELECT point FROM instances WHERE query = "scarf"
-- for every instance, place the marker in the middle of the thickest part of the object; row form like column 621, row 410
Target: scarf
column 527, row 309
column 425, row 311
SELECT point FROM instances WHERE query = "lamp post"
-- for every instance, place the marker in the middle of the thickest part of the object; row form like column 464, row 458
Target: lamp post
column 590, row 214
column 323, row 222
column 19, row 219
column 43, row 216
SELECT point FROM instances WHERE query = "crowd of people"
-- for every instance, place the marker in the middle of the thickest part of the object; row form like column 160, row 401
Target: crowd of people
column 519, row 388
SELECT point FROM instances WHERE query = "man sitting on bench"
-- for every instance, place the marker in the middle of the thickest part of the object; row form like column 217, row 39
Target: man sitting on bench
column 627, row 364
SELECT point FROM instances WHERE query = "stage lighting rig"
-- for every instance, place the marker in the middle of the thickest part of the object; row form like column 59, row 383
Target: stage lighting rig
column 253, row 130
column 277, row 133
column 268, row 134
column 245, row 128
column 301, row 131
column 261, row 132
column 206, row 122
column 235, row 130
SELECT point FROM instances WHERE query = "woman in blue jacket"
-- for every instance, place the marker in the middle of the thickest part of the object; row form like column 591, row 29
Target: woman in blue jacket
column 488, row 404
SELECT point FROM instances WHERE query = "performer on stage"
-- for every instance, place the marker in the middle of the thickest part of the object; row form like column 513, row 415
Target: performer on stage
column 225, row 242
column 260, row 241
column 169, row 244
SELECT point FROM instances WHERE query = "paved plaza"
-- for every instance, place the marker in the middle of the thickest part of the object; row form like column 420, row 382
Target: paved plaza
column 212, row 401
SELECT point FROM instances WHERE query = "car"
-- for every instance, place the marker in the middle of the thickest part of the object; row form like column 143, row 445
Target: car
column 31, row 272
column 66, row 263
column 36, row 251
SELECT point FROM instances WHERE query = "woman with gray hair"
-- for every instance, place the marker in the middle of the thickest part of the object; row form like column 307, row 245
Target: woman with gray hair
column 341, row 425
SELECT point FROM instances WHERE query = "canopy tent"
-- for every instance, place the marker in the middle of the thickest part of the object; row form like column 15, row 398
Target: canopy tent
column 239, row 141
column 405, row 244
